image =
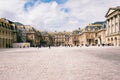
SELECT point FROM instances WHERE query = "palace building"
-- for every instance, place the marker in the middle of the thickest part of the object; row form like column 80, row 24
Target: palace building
column 61, row 38
column 7, row 33
column 94, row 34
column 75, row 37
column 113, row 26
column 46, row 41
column 29, row 34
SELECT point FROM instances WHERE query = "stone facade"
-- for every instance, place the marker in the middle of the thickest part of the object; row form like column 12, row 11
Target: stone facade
column 46, row 41
column 30, row 34
column 75, row 37
column 33, row 35
column 7, row 33
column 113, row 26
column 100, row 37
column 93, row 34
column 61, row 38
column 71, row 40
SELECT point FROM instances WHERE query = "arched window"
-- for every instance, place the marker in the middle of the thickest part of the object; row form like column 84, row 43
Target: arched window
column 116, row 41
column 112, row 42
column 12, row 28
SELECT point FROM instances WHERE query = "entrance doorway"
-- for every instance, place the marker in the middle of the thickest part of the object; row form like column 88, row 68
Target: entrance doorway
column 96, row 42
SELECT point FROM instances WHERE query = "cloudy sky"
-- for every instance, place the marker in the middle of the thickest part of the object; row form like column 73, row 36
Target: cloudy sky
column 56, row 15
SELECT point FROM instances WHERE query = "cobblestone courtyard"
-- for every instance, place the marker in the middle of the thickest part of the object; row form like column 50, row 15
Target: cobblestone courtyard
column 74, row 63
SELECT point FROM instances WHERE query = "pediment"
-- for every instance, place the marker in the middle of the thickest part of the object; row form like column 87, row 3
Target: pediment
column 111, row 10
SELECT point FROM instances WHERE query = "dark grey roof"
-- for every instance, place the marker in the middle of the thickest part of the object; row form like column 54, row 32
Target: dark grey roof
column 18, row 24
column 102, row 22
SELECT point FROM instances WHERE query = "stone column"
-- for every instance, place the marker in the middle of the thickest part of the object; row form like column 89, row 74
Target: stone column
column 106, row 40
column 111, row 25
column 118, row 41
column 108, row 27
column 114, row 24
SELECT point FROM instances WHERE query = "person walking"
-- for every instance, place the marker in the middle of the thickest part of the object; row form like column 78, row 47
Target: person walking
column 49, row 46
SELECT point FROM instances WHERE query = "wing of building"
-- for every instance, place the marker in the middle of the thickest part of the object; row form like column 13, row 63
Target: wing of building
column 93, row 34
column 7, row 33
column 113, row 26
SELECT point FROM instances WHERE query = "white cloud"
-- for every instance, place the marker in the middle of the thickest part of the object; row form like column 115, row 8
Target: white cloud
column 49, row 16
column 11, row 8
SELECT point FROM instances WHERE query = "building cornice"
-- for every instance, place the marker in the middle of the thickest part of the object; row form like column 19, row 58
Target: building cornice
column 114, row 34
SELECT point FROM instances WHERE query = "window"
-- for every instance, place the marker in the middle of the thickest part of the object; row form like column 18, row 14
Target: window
column 3, row 32
column 116, row 27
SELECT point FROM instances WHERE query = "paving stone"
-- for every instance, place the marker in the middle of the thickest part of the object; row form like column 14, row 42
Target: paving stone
column 60, row 63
